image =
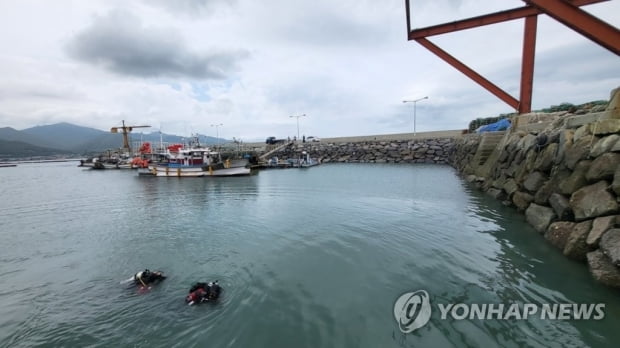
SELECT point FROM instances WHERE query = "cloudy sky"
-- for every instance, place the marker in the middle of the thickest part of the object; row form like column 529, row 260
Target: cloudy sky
column 184, row 65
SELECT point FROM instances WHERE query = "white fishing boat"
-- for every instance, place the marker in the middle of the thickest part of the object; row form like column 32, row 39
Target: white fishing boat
column 305, row 161
column 195, row 160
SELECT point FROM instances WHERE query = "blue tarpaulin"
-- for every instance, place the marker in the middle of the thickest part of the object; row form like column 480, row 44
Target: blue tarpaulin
column 494, row 127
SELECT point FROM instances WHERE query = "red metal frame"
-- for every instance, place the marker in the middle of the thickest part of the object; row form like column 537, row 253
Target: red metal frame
column 582, row 22
column 501, row 94
column 565, row 11
column 527, row 64
column 496, row 17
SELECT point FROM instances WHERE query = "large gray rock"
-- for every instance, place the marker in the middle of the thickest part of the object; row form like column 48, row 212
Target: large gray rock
column 530, row 159
column 521, row 172
column 576, row 247
column 496, row 193
column 581, row 132
column 540, row 217
column 519, row 157
column 534, row 181
column 510, row 187
column 593, row 201
column 499, row 182
column 544, row 161
column 503, row 157
column 605, row 144
column 512, row 169
column 561, row 206
column 526, row 142
column 600, row 225
column 603, row 270
column 576, row 180
column 616, row 147
column 616, row 184
column 603, row 167
column 611, row 126
column 579, row 150
column 566, row 140
column 610, row 245
column 544, row 192
column 558, row 232
column 522, row 200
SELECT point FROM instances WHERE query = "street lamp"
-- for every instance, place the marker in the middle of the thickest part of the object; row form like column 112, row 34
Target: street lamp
column 298, row 116
column 217, row 132
column 414, row 104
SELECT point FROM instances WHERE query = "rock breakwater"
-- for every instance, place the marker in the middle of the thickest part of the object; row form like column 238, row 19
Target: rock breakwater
column 565, row 178
column 397, row 151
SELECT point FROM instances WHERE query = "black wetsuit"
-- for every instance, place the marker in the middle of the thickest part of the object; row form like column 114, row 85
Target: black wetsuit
column 203, row 292
column 147, row 277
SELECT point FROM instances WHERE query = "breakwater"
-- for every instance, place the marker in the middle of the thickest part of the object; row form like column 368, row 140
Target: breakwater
column 434, row 150
column 563, row 173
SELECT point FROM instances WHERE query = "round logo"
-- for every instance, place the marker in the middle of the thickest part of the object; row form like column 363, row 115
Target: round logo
column 412, row 310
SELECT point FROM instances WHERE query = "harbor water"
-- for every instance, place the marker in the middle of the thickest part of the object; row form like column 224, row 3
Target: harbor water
column 307, row 258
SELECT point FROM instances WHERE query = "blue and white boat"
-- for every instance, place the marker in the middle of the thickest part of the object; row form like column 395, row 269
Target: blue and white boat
column 195, row 160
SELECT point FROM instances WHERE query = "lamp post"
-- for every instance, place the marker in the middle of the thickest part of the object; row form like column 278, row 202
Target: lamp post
column 414, row 105
column 298, row 116
column 217, row 132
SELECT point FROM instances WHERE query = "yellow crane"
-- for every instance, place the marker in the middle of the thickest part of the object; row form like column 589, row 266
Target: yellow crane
column 125, row 130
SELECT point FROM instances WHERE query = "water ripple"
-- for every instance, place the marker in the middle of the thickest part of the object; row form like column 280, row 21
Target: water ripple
column 306, row 258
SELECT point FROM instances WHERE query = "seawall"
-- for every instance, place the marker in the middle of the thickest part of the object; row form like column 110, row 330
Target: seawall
column 563, row 172
column 435, row 150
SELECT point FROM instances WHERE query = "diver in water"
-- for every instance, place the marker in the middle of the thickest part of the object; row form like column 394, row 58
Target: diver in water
column 146, row 277
column 203, row 292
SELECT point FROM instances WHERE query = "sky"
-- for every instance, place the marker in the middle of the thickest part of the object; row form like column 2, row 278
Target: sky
column 184, row 66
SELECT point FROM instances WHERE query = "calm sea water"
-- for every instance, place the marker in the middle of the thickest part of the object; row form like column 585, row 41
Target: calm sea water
column 307, row 258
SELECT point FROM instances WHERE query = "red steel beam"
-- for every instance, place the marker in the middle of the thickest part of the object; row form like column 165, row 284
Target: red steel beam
column 527, row 64
column 474, row 22
column 488, row 85
column 582, row 22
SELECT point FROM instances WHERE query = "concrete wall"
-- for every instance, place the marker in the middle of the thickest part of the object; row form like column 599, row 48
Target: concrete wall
column 377, row 137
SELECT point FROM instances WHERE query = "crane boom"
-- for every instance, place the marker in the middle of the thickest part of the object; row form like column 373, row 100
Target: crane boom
column 125, row 130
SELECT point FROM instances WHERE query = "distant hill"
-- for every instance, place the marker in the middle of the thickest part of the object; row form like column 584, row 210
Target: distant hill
column 10, row 134
column 18, row 149
column 69, row 138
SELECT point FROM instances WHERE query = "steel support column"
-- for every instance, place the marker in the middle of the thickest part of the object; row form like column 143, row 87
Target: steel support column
column 527, row 64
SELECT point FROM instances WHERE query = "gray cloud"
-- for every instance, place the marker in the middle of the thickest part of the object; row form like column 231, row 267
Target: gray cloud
column 333, row 28
column 584, row 61
column 119, row 43
column 190, row 7
column 321, row 25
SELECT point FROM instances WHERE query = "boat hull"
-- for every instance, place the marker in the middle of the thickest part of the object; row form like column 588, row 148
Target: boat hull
column 167, row 171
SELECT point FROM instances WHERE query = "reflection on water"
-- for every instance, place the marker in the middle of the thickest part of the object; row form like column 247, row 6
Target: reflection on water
column 310, row 258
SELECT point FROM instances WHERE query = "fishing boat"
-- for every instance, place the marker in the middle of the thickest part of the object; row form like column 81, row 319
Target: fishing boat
column 195, row 160
column 304, row 161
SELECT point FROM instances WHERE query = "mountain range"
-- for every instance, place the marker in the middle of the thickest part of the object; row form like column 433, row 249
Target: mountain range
column 65, row 139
